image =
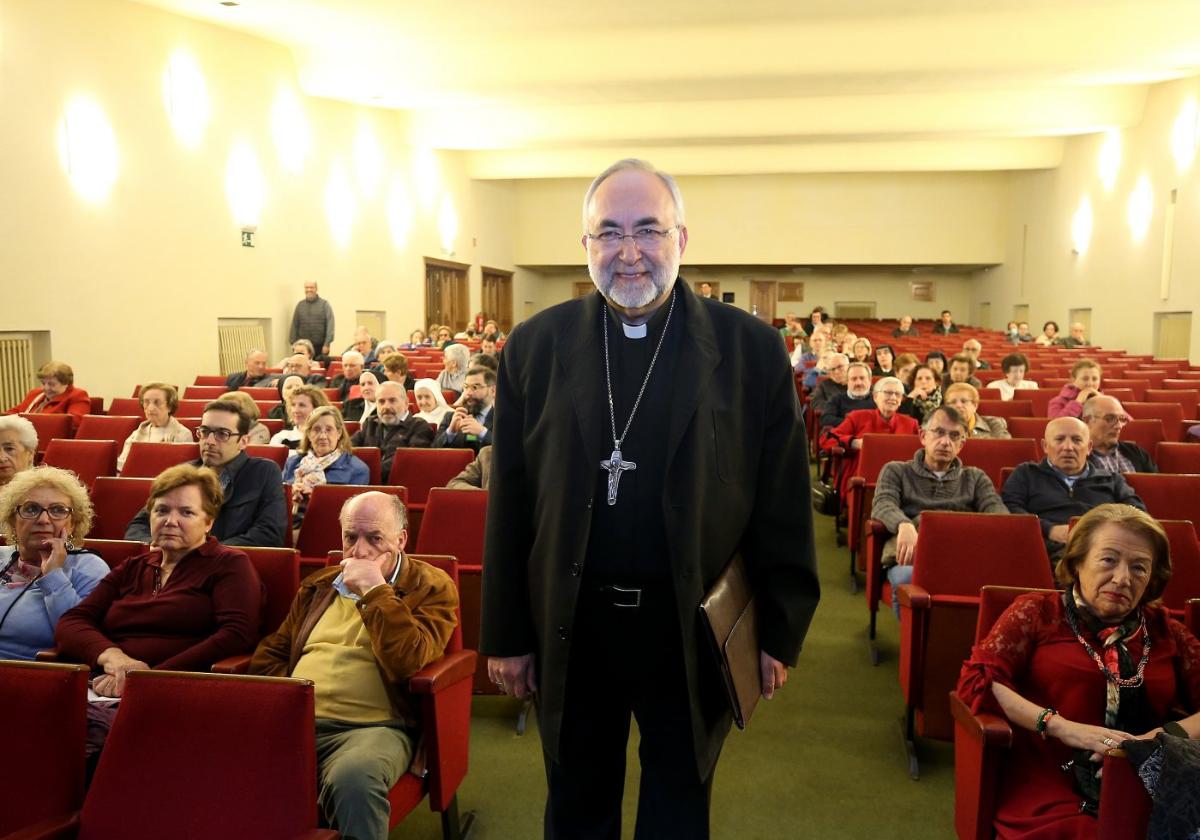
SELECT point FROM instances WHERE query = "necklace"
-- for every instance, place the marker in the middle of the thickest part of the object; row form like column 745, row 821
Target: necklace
column 615, row 465
column 1116, row 679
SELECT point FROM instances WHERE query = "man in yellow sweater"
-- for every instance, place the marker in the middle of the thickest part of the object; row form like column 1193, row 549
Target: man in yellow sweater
column 359, row 632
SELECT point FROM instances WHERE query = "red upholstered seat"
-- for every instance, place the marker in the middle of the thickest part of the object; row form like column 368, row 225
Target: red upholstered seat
column 1171, row 415
column 114, row 552
column 320, row 532
column 1028, row 427
column 1185, row 565
column 106, row 427
column 147, row 460
column 1168, row 496
column 373, row 458
column 203, row 392
column 115, row 502
column 1145, row 433
column 993, row 455
column 1172, row 457
column 1137, row 386
column 1187, row 400
column 49, row 427
column 876, row 451
column 127, row 407
column 88, row 459
column 957, row 554
column 191, row 408
column 268, row 393
column 215, row 379
column 1041, row 397
column 419, row 469
column 1192, row 615
column 278, row 454
column 1005, row 409
column 45, row 706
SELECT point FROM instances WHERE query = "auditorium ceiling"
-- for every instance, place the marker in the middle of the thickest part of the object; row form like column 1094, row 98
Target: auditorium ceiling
column 535, row 89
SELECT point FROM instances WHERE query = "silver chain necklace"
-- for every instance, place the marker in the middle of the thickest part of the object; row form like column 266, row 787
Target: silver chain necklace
column 614, row 466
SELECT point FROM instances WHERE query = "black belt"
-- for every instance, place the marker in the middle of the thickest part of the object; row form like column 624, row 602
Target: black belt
column 626, row 597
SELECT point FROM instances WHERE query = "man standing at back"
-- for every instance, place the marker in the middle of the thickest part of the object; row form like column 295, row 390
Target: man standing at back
column 644, row 435
column 313, row 319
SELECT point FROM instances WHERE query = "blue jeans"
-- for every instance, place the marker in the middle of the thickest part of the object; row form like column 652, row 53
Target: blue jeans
column 898, row 576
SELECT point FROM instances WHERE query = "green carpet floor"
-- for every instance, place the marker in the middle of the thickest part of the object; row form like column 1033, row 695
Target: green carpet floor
column 822, row 760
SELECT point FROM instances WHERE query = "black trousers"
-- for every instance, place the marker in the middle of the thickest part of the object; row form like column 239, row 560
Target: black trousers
column 626, row 661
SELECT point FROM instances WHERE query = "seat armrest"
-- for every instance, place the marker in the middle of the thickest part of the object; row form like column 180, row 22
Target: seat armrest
column 60, row 827
column 914, row 597
column 239, row 664
column 983, row 728
column 856, row 481
column 443, row 673
column 51, row 655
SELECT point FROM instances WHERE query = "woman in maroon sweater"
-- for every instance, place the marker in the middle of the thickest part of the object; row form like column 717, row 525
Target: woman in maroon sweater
column 184, row 604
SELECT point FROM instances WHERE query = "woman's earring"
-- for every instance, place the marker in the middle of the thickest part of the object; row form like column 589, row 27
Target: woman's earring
column 70, row 544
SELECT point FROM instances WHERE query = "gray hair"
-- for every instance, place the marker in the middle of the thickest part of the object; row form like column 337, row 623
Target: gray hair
column 397, row 507
column 255, row 352
column 643, row 165
column 854, row 365
column 952, row 414
column 459, row 353
column 1089, row 409
column 887, row 380
column 352, row 355
column 26, row 433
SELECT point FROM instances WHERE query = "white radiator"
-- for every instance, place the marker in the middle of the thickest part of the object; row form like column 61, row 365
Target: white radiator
column 238, row 339
column 17, row 371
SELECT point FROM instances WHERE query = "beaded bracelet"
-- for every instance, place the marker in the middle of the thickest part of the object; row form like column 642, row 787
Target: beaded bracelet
column 1043, row 720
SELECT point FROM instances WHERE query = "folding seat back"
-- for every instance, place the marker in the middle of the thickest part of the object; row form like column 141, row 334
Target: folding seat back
column 245, row 763
column 373, row 458
column 877, row 451
column 45, row 705
column 993, row 601
column 1000, row 408
column 278, row 454
column 127, row 407
column 147, row 460
column 114, row 552
column 1028, row 427
column 214, row 379
column 453, row 524
column 49, row 427
column 1170, row 414
column 1185, row 564
column 320, row 531
column 1187, row 400
column 1145, row 433
column 258, row 393
column 279, row 570
column 203, row 392
column 1123, row 394
column 957, row 554
column 1184, row 384
column 1168, row 496
column 421, row 469
column 191, row 408
column 450, row 566
column 1171, row 457
column 1137, row 386
column 115, row 501
column 1041, row 397
column 106, row 427
column 88, row 459
column 1192, row 613
column 993, row 455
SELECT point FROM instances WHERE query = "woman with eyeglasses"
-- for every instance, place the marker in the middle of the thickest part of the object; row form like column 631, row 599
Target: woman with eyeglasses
column 44, row 515
column 159, row 402
column 963, row 398
column 325, row 456
column 302, row 401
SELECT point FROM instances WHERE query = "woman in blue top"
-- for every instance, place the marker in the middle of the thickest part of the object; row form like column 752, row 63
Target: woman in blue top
column 325, row 456
column 44, row 514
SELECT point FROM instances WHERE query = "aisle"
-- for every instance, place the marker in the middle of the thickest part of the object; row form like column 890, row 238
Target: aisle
column 822, row 760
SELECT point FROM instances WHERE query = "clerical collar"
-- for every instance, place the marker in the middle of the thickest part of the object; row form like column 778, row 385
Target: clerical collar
column 634, row 332
column 651, row 329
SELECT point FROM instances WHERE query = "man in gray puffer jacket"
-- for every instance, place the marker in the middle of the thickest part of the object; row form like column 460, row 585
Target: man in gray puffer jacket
column 313, row 319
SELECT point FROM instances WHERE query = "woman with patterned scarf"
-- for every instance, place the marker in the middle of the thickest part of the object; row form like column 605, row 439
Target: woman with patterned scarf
column 325, row 456
column 1080, row 671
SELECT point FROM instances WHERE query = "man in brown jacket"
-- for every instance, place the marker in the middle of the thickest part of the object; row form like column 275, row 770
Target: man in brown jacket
column 359, row 632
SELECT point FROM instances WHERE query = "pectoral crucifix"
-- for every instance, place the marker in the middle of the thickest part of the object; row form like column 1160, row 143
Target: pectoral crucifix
column 615, row 466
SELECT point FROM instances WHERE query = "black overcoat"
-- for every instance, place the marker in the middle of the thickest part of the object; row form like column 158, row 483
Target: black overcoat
column 737, row 477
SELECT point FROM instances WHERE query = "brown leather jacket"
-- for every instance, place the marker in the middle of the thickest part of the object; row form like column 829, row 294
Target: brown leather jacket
column 409, row 626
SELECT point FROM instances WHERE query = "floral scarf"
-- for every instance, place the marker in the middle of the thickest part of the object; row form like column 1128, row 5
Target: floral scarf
column 309, row 473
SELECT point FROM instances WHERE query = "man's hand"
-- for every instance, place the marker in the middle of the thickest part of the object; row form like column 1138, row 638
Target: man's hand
column 361, row 576
column 513, row 674
column 456, row 422
column 906, row 544
column 324, row 349
column 1059, row 533
column 471, row 426
column 856, row 444
column 774, row 674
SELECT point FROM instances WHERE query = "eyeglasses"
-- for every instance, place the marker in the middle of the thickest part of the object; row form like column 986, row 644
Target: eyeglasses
column 222, row 435
column 897, row 395
column 471, row 387
column 955, row 435
column 645, row 237
column 32, row 510
column 1117, row 419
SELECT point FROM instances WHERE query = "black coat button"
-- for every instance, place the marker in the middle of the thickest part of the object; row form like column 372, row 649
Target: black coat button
column 563, row 634
column 576, row 568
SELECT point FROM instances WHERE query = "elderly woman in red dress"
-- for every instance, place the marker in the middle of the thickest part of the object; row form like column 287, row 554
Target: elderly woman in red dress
column 1079, row 671
column 58, row 394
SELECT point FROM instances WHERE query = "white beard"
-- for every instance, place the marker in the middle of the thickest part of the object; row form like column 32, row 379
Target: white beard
column 628, row 296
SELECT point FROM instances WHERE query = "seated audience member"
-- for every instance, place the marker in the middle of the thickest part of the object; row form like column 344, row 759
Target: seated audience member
column 324, row 456
column 964, row 399
column 254, row 374
column 300, row 365
column 816, row 320
column 935, row 479
column 804, row 362
column 18, row 447
column 393, row 425
column 491, row 328
column 884, row 419
column 470, row 426
column 45, row 514
column 1012, row 333
column 1075, row 339
column 361, row 405
column 936, row 360
column 946, row 325
column 183, row 604
column 352, row 368
column 1049, row 334
column 453, row 376
column 1105, row 418
column 1084, row 384
column 1079, row 671
column 855, row 397
column 861, row 351
column 906, row 365
column 252, row 511
column 837, row 339
column 395, row 369
column 885, row 359
column 475, row 475
column 259, row 434
column 359, row 631
column 1063, row 484
column 58, row 395
column 384, row 348
column 961, row 369
column 971, row 349
column 1014, row 366
column 831, row 372
column 906, row 328
column 487, row 347
column 480, row 360
column 431, row 402
column 301, row 346
column 159, row 403
column 285, row 385
column 364, row 343
column 1024, row 336
column 416, row 339
column 303, row 401
column 924, row 395
column 445, row 336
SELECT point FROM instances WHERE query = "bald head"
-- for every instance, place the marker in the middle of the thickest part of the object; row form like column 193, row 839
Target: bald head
column 299, row 364
column 1068, row 444
column 373, row 529
column 1105, row 417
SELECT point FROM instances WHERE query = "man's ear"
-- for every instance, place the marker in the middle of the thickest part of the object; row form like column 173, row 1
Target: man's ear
column 403, row 538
